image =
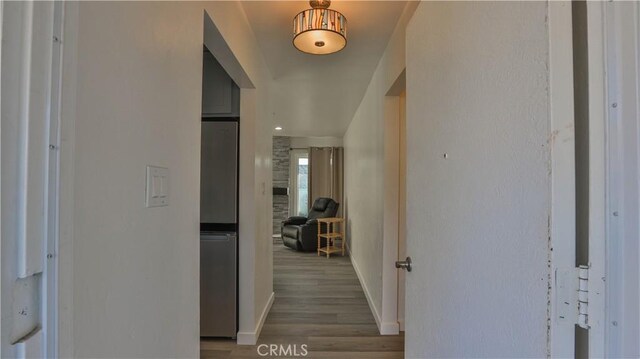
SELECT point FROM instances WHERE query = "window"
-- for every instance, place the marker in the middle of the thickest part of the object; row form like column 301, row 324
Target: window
column 303, row 187
column 299, row 193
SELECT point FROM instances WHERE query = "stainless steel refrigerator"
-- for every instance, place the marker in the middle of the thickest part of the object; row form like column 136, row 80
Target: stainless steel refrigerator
column 218, row 228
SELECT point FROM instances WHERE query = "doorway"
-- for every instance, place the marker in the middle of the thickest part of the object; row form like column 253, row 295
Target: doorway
column 237, row 102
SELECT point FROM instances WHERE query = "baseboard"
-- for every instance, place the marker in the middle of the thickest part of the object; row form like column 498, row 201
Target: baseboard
column 389, row 328
column 376, row 315
column 251, row 338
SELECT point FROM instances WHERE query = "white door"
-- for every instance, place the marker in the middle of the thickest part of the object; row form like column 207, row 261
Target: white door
column 478, row 181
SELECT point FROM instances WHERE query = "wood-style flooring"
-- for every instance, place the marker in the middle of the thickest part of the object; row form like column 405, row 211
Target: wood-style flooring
column 318, row 302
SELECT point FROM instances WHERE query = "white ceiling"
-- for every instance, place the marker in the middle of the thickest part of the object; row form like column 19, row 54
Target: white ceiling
column 318, row 95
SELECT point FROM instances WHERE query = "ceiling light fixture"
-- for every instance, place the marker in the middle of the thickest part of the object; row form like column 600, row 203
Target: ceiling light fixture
column 278, row 128
column 319, row 31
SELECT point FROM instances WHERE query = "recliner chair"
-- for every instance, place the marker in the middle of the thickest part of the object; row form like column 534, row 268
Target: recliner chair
column 301, row 233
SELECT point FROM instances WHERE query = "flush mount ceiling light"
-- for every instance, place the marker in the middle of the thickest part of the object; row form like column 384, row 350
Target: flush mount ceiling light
column 319, row 30
column 278, row 128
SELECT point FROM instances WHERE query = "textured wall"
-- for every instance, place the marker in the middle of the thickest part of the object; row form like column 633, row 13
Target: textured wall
column 364, row 191
column 367, row 185
column 281, row 145
column 477, row 219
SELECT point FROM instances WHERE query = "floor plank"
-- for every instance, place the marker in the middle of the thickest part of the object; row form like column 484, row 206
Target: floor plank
column 318, row 302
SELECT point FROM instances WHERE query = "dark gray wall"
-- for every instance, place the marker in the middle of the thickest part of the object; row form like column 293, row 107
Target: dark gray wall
column 281, row 147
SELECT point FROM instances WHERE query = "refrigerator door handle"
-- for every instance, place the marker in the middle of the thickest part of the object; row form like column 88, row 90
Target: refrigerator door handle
column 217, row 237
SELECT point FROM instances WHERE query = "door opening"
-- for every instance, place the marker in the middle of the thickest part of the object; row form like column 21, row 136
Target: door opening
column 219, row 198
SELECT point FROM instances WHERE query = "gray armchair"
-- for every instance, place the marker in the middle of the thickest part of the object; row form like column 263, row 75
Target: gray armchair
column 301, row 233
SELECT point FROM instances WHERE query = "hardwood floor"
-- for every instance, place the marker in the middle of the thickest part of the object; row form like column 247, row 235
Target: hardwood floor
column 318, row 302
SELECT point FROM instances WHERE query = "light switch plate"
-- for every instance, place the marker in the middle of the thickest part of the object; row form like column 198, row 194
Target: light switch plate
column 157, row 190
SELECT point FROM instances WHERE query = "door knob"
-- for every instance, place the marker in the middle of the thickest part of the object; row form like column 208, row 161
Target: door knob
column 405, row 264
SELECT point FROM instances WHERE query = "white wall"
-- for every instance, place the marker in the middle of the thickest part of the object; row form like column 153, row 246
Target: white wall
column 303, row 142
column 131, row 98
column 370, row 169
column 256, row 284
column 478, row 221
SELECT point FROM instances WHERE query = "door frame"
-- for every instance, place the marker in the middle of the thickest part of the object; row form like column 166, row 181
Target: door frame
column 620, row 105
column 53, row 225
column 387, row 320
column 402, row 204
column 562, row 228
column 598, row 117
column 30, row 172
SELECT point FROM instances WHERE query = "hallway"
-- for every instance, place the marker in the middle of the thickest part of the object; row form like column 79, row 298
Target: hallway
column 318, row 302
column 482, row 156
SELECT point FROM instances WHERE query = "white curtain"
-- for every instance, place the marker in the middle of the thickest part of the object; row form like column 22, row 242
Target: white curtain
column 326, row 169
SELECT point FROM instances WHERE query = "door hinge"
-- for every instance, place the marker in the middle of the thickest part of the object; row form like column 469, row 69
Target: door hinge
column 572, row 296
column 583, row 297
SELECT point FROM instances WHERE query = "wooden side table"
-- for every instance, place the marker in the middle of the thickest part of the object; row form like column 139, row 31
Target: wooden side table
column 331, row 235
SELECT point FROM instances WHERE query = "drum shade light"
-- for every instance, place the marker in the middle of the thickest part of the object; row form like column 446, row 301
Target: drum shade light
column 319, row 30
